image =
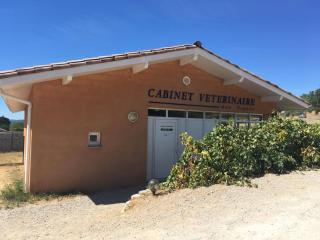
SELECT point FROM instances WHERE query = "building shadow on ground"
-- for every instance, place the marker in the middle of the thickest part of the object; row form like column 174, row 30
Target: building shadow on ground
column 112, row 196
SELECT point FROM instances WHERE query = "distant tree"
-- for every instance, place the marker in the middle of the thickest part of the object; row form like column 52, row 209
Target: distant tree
column 17, row 126
column 5, row 123
column 313, row 97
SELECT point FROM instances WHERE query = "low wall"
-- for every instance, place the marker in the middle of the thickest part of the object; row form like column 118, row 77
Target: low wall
column 11, row 141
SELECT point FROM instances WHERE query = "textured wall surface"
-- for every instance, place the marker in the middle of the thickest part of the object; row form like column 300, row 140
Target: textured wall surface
column 63, row 115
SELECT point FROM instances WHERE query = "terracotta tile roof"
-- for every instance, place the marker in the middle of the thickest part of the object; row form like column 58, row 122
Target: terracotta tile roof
column 94, row 60
column 128, row 55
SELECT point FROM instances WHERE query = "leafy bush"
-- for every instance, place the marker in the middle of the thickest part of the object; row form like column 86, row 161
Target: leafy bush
column 232, row 155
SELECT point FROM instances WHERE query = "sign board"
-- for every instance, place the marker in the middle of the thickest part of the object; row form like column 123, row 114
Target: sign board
column 174, row 97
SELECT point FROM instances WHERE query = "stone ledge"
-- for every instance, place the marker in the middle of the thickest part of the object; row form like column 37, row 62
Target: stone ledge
column 129, row 204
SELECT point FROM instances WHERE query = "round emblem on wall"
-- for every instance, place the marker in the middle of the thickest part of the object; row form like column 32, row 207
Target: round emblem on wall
column 186, row 80
column 133, row 117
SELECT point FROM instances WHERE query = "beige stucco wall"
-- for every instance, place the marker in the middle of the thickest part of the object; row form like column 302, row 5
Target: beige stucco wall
column 62, row 116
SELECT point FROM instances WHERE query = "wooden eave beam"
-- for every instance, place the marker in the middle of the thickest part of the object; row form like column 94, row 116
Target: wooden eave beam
column 67, row 79
column 233, row 81
column 188, row 59
column 140, row 67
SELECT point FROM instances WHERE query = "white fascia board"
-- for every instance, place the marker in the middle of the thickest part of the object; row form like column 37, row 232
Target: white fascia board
column 12, row 109
column 250, row 77
column 6, row 97
column 31, row 78
column 271, row 98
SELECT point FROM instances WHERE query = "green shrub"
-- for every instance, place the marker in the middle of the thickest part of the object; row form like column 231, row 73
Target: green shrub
column 232, row 155
column 13, row 194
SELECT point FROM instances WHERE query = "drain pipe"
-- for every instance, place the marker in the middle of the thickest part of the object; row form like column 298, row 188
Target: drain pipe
column 27, row 145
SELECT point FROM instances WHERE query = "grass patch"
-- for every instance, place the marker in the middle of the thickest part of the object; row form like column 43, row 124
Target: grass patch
column 13, row 195
column 8, row 158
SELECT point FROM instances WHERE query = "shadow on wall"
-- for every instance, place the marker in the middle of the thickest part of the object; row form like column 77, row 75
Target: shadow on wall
column 120, row 195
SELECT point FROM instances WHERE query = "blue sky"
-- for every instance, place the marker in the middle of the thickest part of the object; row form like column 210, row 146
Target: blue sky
column 278, row 40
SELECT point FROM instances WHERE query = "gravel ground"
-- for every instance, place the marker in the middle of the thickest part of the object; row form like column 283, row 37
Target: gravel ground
column 282, row 207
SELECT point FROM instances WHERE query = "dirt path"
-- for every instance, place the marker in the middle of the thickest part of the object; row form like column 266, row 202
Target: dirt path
column 282, row 207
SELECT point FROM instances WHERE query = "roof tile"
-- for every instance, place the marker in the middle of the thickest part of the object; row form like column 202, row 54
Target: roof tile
column 116, row 57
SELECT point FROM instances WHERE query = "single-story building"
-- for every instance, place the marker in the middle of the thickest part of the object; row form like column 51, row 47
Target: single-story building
column 114, row 121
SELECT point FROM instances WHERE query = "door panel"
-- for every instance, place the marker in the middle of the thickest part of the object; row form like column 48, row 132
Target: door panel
column 195, row 128
column 150, row 149
column 209, row 124
column 165, row 147
column 181, row 128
